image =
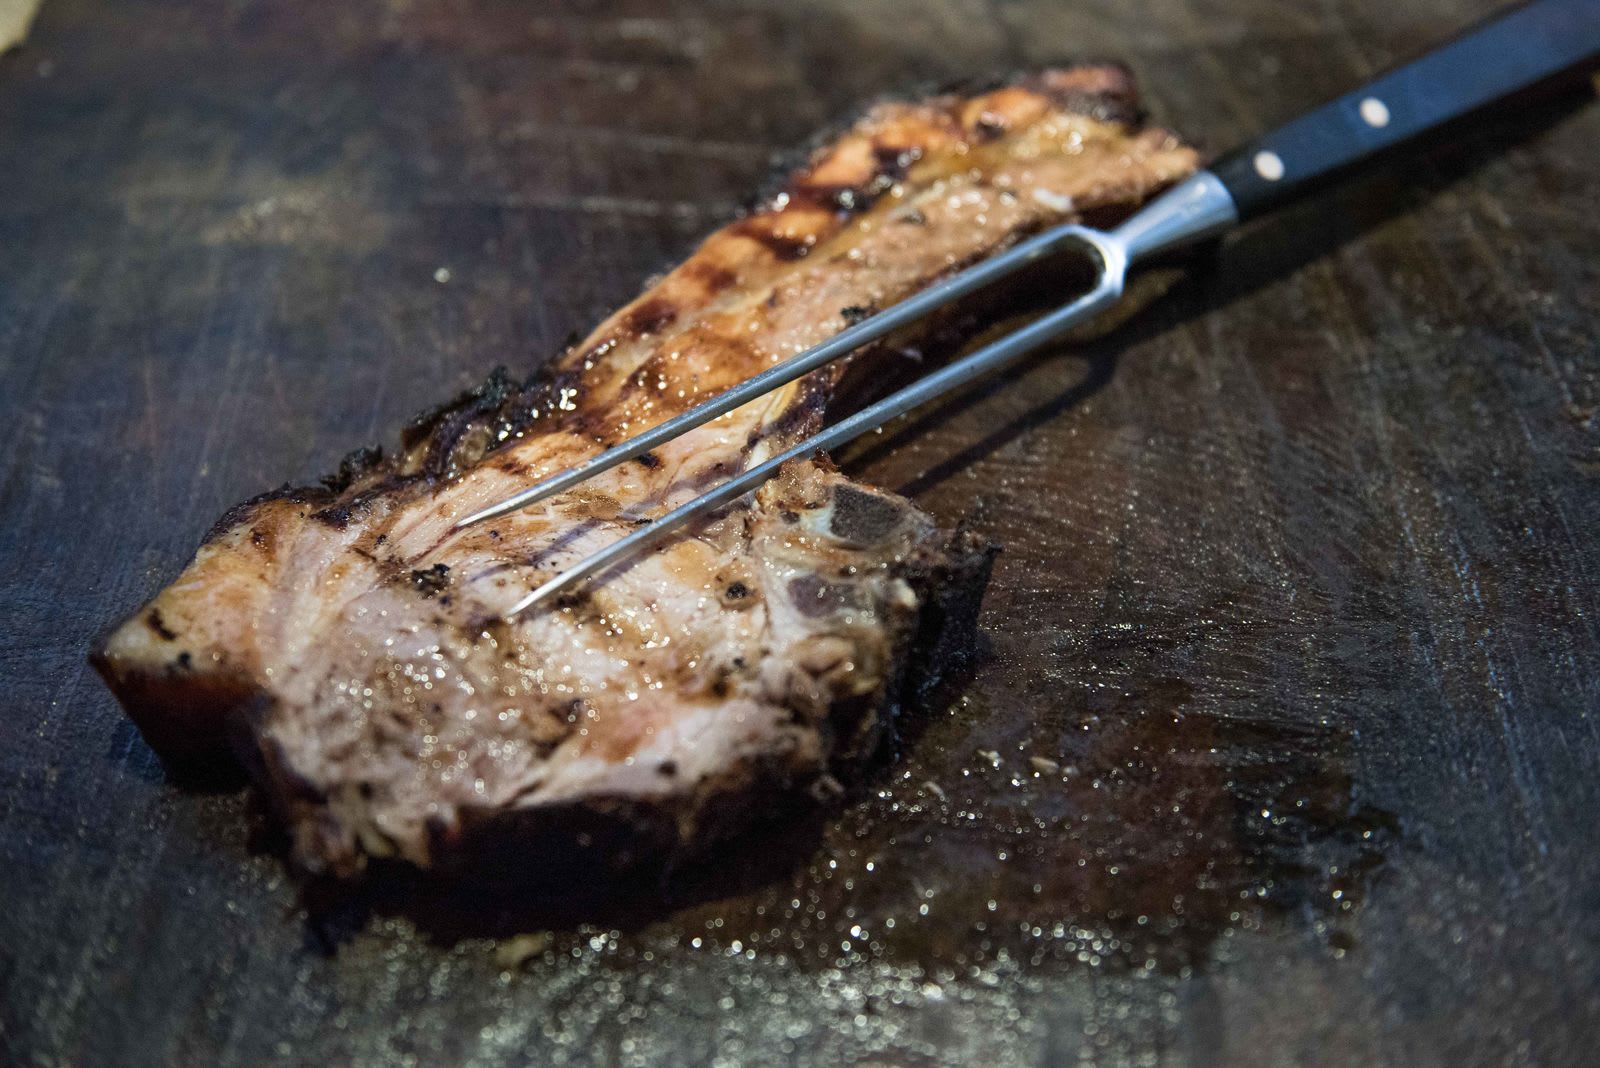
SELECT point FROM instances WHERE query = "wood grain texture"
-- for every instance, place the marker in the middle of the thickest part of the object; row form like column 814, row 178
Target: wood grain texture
column 1299, row 595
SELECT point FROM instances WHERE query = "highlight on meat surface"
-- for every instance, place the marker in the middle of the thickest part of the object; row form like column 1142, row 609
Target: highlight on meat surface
column 344, row 642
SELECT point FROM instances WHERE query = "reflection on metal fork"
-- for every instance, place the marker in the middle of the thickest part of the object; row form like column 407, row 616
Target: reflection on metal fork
column 1194, row 209
column 841, row 344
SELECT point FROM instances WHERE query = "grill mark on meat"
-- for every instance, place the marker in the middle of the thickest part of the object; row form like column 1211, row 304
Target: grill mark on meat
column 711, row 351
column 894, row 160
column 241, row 513
column 712, row 278
column 846, row 199
column 649, row 317
column 154, row 621
column 345, row 638
column 784, row 247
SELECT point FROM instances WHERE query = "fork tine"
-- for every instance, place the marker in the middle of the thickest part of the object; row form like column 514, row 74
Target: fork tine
column 846, row 341
column 993, row 356
column 1200, row 206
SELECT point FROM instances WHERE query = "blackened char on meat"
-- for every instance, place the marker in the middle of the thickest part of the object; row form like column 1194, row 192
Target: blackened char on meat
column 345, row 644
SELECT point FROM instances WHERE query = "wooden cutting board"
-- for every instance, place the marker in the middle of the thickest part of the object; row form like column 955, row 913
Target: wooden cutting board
column 1284, row 745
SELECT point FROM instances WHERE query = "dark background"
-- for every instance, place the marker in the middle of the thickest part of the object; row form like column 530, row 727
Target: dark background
column 1292, row 650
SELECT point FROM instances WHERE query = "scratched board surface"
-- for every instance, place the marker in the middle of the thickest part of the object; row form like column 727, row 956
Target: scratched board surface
column 1282, row 747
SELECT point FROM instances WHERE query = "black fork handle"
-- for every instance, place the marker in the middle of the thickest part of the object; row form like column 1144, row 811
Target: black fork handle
column 1508, row 52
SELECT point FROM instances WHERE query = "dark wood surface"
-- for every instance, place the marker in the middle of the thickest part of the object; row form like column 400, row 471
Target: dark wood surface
column 1297, row 610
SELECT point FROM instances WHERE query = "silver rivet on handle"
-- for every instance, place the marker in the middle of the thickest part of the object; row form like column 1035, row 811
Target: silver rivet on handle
column 1269, row 165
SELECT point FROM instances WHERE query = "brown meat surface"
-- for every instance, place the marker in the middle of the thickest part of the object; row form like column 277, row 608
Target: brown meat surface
column 344, row 642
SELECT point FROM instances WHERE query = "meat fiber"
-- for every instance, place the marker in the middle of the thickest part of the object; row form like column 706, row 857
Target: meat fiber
column 346, row 645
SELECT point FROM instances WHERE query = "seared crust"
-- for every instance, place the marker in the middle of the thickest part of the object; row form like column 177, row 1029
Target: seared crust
column 345, row 643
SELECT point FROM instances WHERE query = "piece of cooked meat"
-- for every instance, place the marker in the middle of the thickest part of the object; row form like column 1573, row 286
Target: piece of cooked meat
column 345, row 644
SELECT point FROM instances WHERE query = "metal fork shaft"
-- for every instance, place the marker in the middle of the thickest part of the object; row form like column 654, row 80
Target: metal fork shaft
column 986, row 360
column 908, row 311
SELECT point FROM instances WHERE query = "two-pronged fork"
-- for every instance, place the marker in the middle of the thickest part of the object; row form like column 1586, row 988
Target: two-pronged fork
column 1498, row 58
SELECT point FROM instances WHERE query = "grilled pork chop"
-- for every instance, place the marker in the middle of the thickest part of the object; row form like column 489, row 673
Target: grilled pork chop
column 346, row 645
